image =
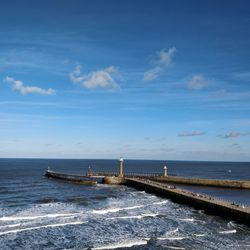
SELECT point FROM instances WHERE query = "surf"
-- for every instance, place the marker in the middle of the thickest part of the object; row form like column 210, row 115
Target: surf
column 43, row 226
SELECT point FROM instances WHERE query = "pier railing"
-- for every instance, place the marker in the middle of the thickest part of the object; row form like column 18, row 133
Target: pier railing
column 126, row 174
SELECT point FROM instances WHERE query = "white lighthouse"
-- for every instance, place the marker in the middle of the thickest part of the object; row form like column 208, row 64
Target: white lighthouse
column 121, row 167
column 165, row 171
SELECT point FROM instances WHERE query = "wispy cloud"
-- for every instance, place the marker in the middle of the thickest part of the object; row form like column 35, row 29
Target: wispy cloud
column 220, row 93
column 242, row 75
column 161, row 60
column 232, row 135
column 165, row 57
column 104, row 78
column 193, row 133
column 197, row 82
column 152, row 74
column 20, row 87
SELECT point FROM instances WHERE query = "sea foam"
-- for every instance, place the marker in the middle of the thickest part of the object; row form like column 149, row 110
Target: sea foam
column 14, row 218
column 114, row 210
column 228, row 231
column 132, row 217
column 43, row 226
column 124, row 244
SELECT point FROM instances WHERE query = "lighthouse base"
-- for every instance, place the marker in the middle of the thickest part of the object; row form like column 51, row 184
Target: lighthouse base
column 114, row 180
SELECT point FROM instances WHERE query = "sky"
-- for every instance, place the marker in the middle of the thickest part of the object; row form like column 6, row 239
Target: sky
column 167, row 80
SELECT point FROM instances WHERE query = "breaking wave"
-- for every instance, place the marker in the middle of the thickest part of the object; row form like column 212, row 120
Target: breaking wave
column 199, row 235
column 173, row 247
column 15, row 218
column 114, row 210
column 228, row 231
column 129, row 243
column 172, row 238
column 188, row 219
column 43, row 226
column 10, row 226
column 160, row 203
column 133, row 217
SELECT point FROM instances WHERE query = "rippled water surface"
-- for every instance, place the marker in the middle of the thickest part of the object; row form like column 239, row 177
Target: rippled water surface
column 40, row 213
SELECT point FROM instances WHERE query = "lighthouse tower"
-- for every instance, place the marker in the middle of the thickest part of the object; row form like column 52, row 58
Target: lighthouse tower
column 165, row 171
column 121, row 167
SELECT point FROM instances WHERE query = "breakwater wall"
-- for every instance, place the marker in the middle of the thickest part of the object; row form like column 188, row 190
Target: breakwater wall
column 78, row 179
column 114, row 180
column 127, row 174
column 209, row 204
column 204, row 182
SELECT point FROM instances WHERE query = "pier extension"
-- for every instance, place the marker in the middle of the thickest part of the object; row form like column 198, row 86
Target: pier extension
column 208, row 204
column 204, row 182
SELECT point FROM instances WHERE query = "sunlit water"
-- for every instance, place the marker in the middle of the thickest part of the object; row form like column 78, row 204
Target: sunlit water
column 40, row 213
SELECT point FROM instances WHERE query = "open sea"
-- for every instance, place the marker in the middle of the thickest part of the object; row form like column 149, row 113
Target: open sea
column 41, row 213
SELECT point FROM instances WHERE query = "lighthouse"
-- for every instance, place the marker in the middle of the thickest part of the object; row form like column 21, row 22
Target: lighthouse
column 165, row 171
column 121, row 167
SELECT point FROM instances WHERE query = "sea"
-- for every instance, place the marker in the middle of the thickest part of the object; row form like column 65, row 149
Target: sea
column 41, row 213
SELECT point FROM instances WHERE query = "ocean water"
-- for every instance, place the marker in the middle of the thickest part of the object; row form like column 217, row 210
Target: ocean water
column 41, row 213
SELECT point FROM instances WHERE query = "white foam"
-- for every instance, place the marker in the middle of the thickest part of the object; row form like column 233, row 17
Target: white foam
column 125, row 217
column 199, row 235
column 9, row 226
column 43, row 226
column 114, row 210
column 228, row 232
column 160, row 203
column 171, row 238
column 122, row 244
column 172, row 231
column 133, row 216
column 14, row 218
column 188, row 219
column 231, row 224
column 70, row 217
column 172, row 247
column 150, row 215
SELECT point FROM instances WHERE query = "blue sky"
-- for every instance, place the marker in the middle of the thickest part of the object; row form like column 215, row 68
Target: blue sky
column 139, row 79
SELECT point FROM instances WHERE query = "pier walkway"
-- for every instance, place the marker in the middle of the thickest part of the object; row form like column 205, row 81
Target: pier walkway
column 209, row 204
column 102, row 174
column 238, row 184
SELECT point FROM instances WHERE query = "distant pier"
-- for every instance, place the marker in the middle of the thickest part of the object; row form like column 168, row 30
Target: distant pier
column 240, row 184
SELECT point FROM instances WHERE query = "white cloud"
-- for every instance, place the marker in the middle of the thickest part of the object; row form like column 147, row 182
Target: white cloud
column 197, row 82
column 152, row 73
column 165, row 57
column 76, row 75
column 233, row 135
column 19, row 86
column 161, row 60
column 194, row 133
column 97, row 79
